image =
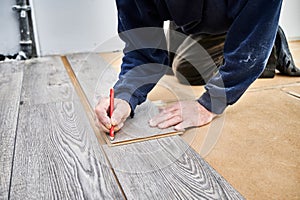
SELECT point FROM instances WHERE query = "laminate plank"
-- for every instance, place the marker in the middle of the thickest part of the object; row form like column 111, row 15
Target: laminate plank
column 167, row 168
column 138, row 127
column 57, row 155
column 96, row 77
column 11, row 76
column 46, row 80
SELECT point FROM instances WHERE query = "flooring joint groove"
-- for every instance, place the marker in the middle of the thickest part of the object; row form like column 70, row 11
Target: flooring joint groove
column 293, row 94
column 88, row 111
column 15, row 140
column 258, row 89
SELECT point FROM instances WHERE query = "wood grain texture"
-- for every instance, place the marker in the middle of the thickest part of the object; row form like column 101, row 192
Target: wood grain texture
column 96, row 77
column 85, row 103
column 46, row 80
column 57, row 155
column 167, row 168
column 11, row 76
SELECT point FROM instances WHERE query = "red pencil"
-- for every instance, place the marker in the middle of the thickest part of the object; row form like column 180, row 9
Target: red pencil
column 111, row 110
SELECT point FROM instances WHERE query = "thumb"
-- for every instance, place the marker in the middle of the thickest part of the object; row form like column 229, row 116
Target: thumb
column 117, row 117
column 180, row 127
column 121, row 112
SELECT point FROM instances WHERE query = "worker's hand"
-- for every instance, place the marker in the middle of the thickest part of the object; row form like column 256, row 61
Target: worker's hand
column 120, row 114
column 183, row 114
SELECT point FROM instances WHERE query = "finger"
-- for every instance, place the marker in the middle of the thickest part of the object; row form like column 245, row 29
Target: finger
column 117, row 117
column 171, row 108
column 184, row 124
column 118, row 127
column 104, row 120
column 170, row 122
column 163, row 116
column 188, row 124
column 180, row 127
column 100, row 126
column 104, row 128
column 164, row 112
column 103, row 104
column 120, row 114
column 101, row 112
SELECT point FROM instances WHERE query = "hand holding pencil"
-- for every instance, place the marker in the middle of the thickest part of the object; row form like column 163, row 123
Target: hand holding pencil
column 106, row 118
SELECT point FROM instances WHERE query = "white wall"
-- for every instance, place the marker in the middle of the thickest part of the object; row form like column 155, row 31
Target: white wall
column 71, row 26
column 9, row 28
column 290, row 19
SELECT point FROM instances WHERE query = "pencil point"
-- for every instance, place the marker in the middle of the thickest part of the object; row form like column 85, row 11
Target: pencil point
column 112, row 138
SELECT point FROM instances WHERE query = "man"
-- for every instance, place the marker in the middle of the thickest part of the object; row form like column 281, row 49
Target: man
column 250, row 33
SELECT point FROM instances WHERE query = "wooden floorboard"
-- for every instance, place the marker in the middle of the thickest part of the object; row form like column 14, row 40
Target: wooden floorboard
column 165, row 168
column 11, row 76
column 46, row 81
column 94, row 75
column 57, row 155
column 138, row 127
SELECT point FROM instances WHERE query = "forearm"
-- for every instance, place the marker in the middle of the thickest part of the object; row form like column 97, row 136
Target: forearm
column 138, row 77
column 145, row 58
column 247, row 47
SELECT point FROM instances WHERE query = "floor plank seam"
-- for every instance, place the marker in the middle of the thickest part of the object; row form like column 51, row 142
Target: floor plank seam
column 13, row 158
column 15, row 142
column 88, row 111
column 258, row 89
column 292, row 94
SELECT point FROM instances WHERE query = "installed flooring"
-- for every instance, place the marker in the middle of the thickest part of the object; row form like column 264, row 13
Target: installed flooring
column 48, row 149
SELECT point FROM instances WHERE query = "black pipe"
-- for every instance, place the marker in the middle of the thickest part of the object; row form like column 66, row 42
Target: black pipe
column 26, row 43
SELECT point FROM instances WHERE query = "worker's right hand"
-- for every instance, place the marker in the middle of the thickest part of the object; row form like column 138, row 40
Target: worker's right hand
column 121, row 112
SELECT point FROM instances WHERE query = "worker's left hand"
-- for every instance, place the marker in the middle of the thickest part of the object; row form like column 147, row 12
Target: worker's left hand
column 183, row 114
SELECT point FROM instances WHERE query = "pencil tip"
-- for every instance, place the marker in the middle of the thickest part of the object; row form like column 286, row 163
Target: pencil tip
column 112, row 138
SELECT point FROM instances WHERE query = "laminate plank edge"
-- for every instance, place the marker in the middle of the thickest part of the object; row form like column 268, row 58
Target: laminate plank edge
column 11, row 75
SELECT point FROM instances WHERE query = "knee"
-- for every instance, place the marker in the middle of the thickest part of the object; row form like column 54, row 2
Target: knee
column 186, row 73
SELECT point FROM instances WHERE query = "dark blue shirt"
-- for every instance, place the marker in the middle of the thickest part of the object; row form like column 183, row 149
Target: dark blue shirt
column 250, row 25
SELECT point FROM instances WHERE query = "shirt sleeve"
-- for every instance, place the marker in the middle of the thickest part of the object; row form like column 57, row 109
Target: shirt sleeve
column 145, row 58
column 247, row 47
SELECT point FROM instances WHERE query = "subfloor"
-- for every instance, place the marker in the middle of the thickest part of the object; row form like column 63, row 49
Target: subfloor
column 255, row 144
